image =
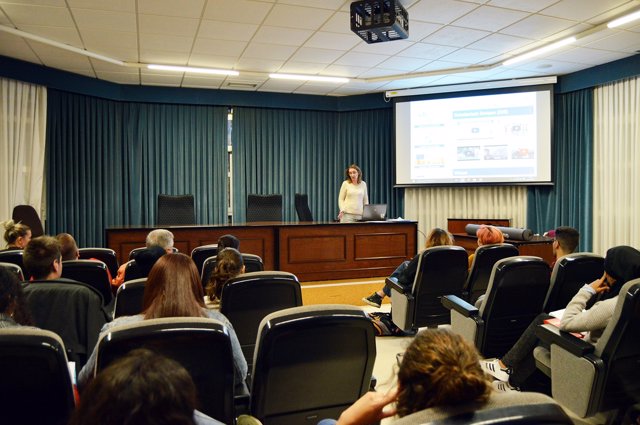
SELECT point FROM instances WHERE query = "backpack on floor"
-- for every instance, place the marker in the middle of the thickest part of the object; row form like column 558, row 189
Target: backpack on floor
column 384, row 326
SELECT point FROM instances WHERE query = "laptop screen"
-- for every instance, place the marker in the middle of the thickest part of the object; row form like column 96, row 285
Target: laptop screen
column 374, row 212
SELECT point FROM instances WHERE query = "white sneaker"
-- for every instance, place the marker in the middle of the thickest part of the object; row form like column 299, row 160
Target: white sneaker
column 492, row 367
column 503, row 387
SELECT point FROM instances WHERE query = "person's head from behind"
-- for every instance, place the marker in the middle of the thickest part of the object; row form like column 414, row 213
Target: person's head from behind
column 173, row 289
column 353, row 174
column 12, row 302
column 440, row 368
column 621, row 264
column 488, row 235
column 229, row 264
column 162, row 238
column 228, row 241
column 566, row 240
column 146, row 258
column 17, row 235
column 42, row 258
column 142, row 387
column 439, row 237
column 68, row 247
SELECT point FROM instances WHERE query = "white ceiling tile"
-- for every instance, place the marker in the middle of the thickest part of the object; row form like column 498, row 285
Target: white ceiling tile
column 500, row 43
column 105, row 20
column 580, row 10
column 273, row 84
column 339, row 22
column 226, row 30
column 251, row 64
column 171, row 43
column 119, row 77
column 44, row 16
column 3, row 19
column 205, row 46
column 313, row 55
column 320, row 4
column 185, row 9
column 163, row 57
column 524, row 5
column 280, row 35
column 622, row 41
column 455, row 36
column 332, row 40
column 66, row 35
column 490, row 18
column 348, row 71
column 302, row 68
column 160, row 79
column 439, row 65
column 210, row 81
column 238, row 11
column 411, row 83
column 213, row 61
column 439, row 11
column 378, row 72
column 18, row 49
column 427, row 51
column 58, row 3
column 419, row 30
column 469, row 56
column 537, row 27
column 114, row 5
column 360, row 59
column 586, row 56
column 107, row 67
column 548, row 67
column 268, row 51
column 170, row 25
column 95, row 40
column 388, row 48
column 403, row 64
column 297, row 17
column 56, row 58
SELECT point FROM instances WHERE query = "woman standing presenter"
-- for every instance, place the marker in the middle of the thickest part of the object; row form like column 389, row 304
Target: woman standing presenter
column 353, row 195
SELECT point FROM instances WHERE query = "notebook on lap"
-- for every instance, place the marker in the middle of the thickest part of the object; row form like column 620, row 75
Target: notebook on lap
column 374, row 212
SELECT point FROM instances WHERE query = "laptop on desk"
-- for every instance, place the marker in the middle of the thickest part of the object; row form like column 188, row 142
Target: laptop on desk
column 374, row 212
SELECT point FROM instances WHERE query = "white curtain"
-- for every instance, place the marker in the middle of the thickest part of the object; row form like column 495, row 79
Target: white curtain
column 616, row 173
column 431, row 207
column 23, row 115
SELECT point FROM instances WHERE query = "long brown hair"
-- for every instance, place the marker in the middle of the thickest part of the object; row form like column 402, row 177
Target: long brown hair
column 440, row 368
column 173, row 289
column 229, row 264
column 439, row 237
column 355, row 167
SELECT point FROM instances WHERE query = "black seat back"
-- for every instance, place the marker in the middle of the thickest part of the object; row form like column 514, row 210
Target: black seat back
column 264, row 208
column 93, row 273
column 248, row 298
column 252, row 263
column 202, row 346
column 14, row 256
column 311, row 362
column 129, row 298
column 302, row 207
column 442, row 270
column 515, row 295
column 26, row 214
column 175, row 210
column 36, row 386
column 200, row 254
column 480, row 272
column 106, row 255
column 13, row 268
column 569, row 274
column 531, row 414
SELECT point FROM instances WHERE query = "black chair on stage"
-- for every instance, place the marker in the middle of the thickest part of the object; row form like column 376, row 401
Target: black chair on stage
column 175, row 210
column 264, row 208
column 569, row 274
column 302, row 207
column 252, row 263
column 26, row 214
column 200, row 254
column 485, row 258
column 106, row 255
column 36, row 386
column 129, row 298
column 14, row 256
column 93, row 273
column 15, row 269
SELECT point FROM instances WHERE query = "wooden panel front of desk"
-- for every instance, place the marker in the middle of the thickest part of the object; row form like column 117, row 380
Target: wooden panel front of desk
column 344, row 251
column 538, row 246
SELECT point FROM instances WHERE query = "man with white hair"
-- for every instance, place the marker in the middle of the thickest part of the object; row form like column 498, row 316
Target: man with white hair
column 158, row 237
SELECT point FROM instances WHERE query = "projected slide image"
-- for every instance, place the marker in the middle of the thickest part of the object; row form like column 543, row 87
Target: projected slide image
column 468, row 153
column 499, row 153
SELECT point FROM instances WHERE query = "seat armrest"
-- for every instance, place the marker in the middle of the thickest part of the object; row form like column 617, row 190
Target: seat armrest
column 392, row 282
column 453, row 302
column 550, row 334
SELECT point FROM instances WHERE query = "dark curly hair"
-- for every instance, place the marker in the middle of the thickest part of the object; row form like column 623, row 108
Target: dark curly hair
column 12, row 300
column 440, row 368
column 229, row 264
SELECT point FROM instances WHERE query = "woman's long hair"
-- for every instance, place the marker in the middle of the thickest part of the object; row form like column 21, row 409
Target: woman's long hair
column 229, row 264
column 12, row 301
column 173, row 289
column 439, row 237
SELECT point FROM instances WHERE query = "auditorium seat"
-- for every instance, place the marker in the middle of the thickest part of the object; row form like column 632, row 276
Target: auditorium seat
column 264, row 208
column 569, row 274
column 252, row 263
column 311, row 362
column 15, row 269
column 201, row 345
column 201, row 253
column 26, row 214
column 176, row 210
column 36, row 386
column 248, row 298
column 517, row 288
column 484, row 259
column 93, row 273
column 587, row 378
column 441, row 270
column 134, row 251
column 106, row 255
column 129, row 298
column 302, row 207
column 14, row 256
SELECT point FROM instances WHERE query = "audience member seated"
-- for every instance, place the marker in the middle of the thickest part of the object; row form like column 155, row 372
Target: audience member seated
column 13, row 307
column 158, row 237
column 229, row 264
column 144, row 261
column 565, row 242
column 141, row 388
column 621, row 264
column 228, row 241
column 487, row 235
column 17, row 235
column 439, row 376
column 69, row 249
column 406, row 272
column 173, row 289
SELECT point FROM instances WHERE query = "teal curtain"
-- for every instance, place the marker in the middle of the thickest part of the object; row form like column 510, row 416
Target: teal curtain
column 570, row 201
column 107, row 161
column 292, row 151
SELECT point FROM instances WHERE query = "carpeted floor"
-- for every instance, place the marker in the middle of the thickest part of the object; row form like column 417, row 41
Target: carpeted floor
column 340, row 292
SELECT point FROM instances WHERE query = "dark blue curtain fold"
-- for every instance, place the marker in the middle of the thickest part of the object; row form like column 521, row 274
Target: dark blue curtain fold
column 108, row 161
column 570, row 201
column 291, row 151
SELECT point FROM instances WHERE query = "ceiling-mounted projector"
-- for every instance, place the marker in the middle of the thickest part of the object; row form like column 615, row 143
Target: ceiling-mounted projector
column 376, row 21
